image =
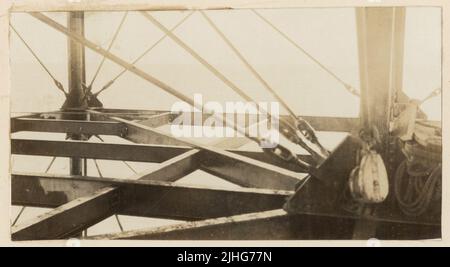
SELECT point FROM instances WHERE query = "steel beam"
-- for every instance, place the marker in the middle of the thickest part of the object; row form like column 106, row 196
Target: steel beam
column 76, row 78
column 145, row 197
column 245, row 172
column 380, row 33
column 380, row 46
column 185, row 202
column 67, row 126
column 104, row 127
column 107, row 151
column 142, row 134
column 59, row 223
column 260, row 177
column 129, row 114
column 173, row 169
column 319, row 123
column 158, row 120
column 268, row 225
column 70, row 218
column 127, row 152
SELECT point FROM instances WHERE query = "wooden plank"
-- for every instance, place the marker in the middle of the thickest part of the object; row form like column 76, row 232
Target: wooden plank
column 67, row 126
column 70, row 218
column 145, row 197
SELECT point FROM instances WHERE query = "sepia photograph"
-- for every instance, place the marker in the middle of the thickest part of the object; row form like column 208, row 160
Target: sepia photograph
column 144, row 121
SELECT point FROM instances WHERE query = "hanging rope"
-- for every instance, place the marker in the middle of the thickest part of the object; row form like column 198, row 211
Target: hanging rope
column 303, row 126
column 89, row 87
column 109, row 83
column 55, row 81
column 347, row 86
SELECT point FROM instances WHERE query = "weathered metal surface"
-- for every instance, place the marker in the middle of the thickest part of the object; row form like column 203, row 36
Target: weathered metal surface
column 245, row 171
column 145, row 197
column 331, row 124
column 248, row 172
column 324, row 194
column 173, row 169
column 128, row 152
column 76, row 78
column 76, row 62
column 67, row 126
column 320, row 123
column 158, row 120
column 267, row 225
column 380, row 34
column 380, row 46
column 143, row 134
column 190, row 203
column 70, row 218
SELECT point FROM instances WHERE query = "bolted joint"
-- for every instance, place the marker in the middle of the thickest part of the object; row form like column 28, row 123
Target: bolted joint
column 123, row 131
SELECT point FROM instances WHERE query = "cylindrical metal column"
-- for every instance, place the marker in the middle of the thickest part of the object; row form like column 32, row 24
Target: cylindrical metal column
column 77, row 77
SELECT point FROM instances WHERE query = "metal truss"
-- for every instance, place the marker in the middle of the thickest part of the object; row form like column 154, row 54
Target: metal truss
column 277, row 199
column 255, row 212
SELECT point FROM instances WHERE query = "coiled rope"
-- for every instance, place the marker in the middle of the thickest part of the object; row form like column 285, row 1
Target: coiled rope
column 414, row 189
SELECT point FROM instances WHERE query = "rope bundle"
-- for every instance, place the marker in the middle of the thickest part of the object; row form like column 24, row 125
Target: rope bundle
column 417, row 182
column 416, row 189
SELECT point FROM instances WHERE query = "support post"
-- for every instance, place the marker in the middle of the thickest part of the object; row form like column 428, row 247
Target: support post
column 77, row 77
column 380, row 45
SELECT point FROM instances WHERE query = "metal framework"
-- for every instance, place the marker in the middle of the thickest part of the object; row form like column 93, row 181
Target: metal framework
column 278, row 200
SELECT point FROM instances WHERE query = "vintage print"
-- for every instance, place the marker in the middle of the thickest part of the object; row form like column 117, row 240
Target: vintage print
column 292, row 123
